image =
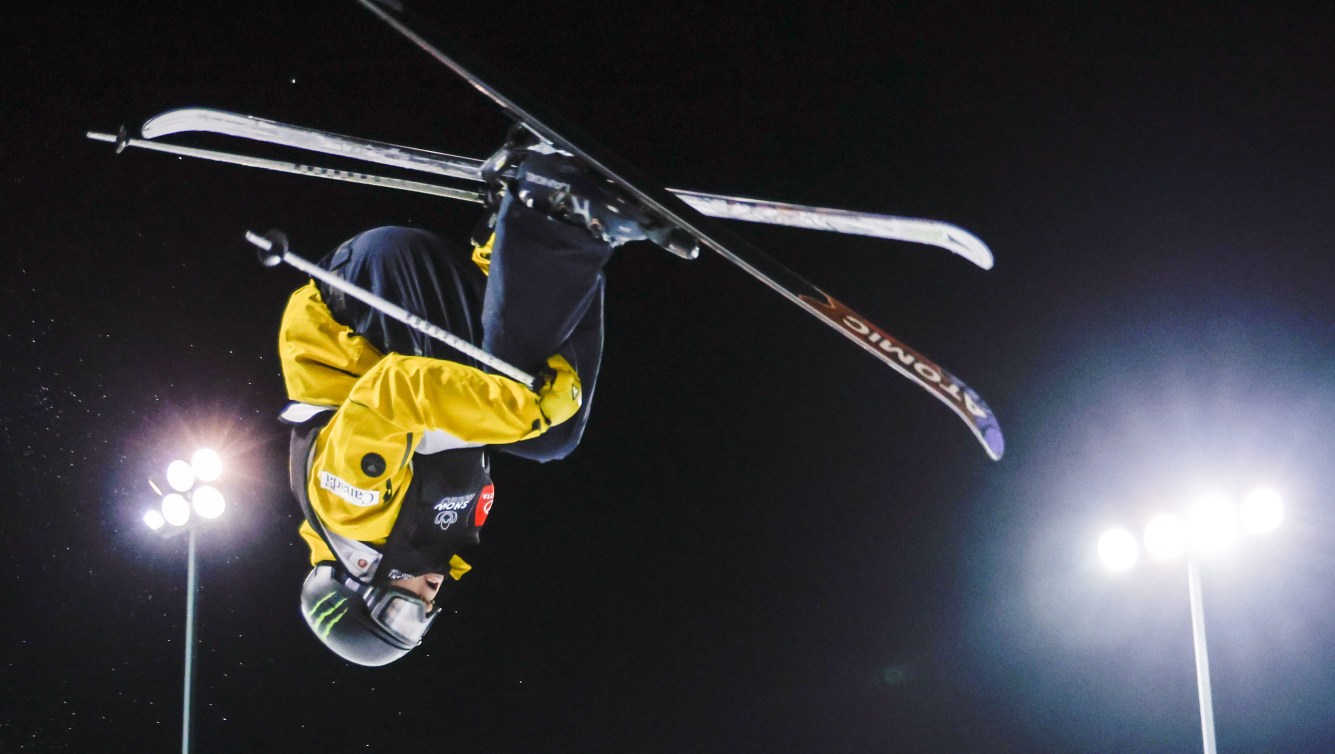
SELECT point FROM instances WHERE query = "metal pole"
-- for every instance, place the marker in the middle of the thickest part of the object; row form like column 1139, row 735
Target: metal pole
column 388, row 308
column 1202, row 656
column 189, row 643
column 292, row 167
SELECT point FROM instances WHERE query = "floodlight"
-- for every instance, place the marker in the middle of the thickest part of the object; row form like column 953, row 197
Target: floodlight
column 1118, row 549
column 1165, row 536
column 154, row 519
column 1213, row 524
column 1261, row 511
column 180, row 476
column 206, row 465
column 175, row 509
column 208, row 502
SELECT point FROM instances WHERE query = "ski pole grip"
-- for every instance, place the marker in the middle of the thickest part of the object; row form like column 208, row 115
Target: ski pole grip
column 270, row 248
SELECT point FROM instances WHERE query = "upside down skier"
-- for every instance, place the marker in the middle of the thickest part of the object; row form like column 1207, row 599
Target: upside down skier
column 392, row 431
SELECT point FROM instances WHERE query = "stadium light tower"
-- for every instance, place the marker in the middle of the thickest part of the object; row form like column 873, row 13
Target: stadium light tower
column 1212, row 525
column 207, row 503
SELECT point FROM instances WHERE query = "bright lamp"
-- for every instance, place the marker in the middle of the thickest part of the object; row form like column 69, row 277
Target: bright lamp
column 154, row 519
column 180, row 476
column 206, row 465
column 1118, row 549
column 1213, row 524
column 208, row 502
column 175, row 509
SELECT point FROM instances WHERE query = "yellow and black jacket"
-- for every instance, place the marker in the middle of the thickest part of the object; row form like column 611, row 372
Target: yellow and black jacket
column 387, row 407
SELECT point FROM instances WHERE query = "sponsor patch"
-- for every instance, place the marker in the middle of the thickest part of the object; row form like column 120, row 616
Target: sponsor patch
column 354, row 495
column 456, row 503
column 446, row 519
column 484, row 505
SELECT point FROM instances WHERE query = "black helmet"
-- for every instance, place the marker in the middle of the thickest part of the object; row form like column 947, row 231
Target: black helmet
column 365, row 624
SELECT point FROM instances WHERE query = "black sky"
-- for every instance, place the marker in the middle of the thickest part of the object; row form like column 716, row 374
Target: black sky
column 768, row 541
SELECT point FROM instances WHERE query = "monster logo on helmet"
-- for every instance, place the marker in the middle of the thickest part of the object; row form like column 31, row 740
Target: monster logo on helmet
column 324, row 622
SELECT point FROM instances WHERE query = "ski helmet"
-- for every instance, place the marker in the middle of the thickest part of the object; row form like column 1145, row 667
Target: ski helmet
column 362, row 623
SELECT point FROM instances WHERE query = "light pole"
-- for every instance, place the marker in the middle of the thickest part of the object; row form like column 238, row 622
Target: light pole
column 208, row 503
column 1212, row 525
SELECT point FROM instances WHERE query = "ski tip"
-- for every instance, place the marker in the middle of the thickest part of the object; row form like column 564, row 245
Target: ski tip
column 171, row 122
column 983, row 423
column 969, row 246
column 993, row 442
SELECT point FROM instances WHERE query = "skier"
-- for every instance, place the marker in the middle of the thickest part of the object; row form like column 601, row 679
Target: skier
column 392, row 431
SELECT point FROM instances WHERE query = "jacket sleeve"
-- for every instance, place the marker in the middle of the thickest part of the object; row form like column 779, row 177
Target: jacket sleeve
column 414, row 394
column 321, row 359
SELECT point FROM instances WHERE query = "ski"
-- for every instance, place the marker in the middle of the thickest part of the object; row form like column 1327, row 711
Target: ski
column 914, row 230
column 674, row 211
column 207, row 120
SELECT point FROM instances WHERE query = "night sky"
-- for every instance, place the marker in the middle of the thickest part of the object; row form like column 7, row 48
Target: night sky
column 769, row 541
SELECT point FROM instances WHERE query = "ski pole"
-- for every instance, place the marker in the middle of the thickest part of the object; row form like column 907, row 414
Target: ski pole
column 274, row 250
column 122, row 140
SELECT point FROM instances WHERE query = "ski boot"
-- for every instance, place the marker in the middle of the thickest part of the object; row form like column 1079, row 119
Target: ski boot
column 557, row 184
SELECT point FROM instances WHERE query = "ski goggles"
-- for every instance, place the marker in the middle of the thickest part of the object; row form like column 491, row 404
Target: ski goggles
column 398, row 612
column 402, row 614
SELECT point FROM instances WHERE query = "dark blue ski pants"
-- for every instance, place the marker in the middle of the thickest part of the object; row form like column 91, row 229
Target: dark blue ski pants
column 543, row 295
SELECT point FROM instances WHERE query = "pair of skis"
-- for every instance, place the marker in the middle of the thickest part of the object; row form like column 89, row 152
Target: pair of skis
column 684, row 210
column 205, row 120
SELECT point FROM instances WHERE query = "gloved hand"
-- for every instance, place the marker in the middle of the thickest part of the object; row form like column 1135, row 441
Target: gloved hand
column 559, row 396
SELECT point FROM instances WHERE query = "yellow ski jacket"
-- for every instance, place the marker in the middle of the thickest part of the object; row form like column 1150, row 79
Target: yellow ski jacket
column 387, row 407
